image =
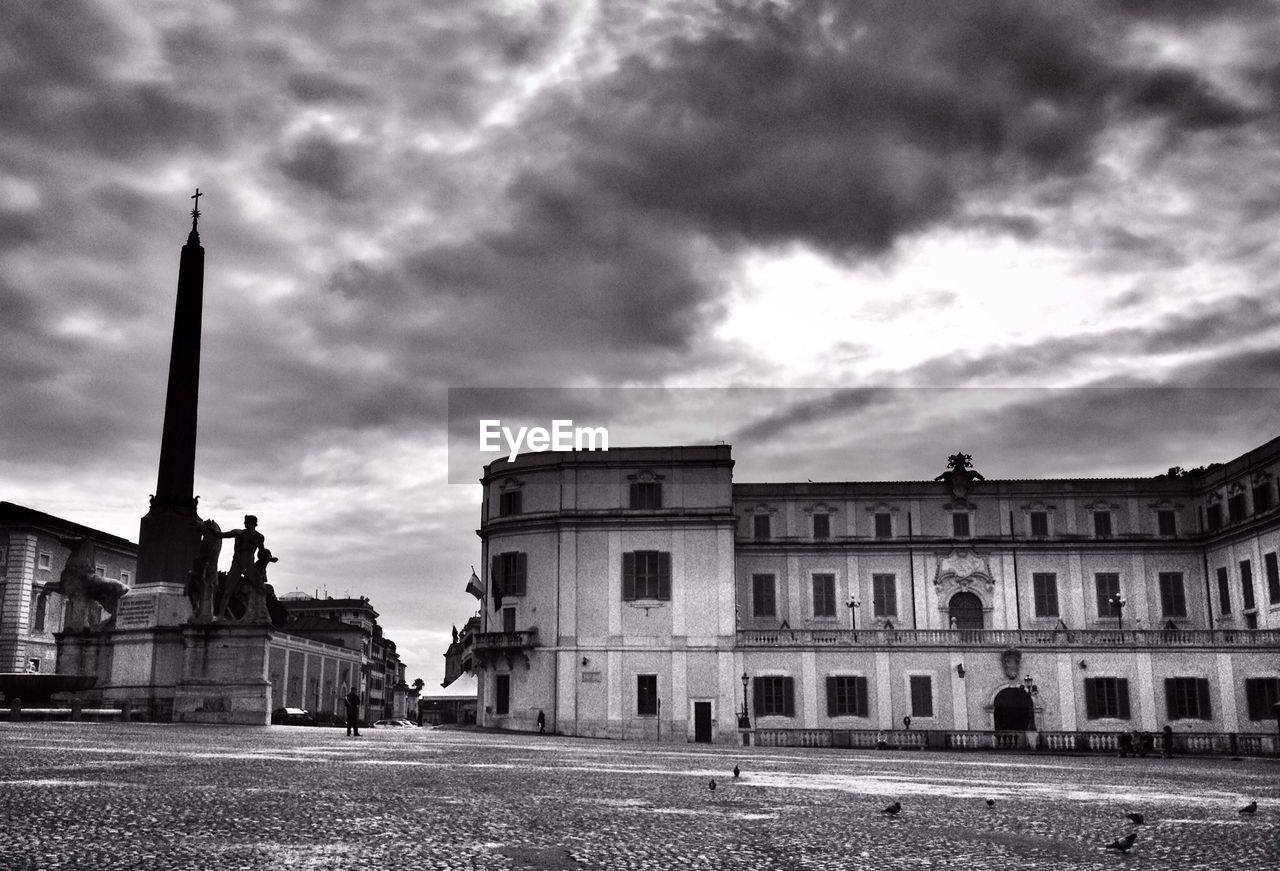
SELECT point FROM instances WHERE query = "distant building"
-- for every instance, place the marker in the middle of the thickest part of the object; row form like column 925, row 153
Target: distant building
column 352, row 623
column 32, row 556
column 447, row 710
column 641, row 593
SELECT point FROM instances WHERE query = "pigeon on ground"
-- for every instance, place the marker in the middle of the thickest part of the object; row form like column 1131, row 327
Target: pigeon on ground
column 892, row 809
column 991, row 802
column 1123, row 844
column 1250, row 808
column 1136, row 818
column 712, row 785
column 736, row 771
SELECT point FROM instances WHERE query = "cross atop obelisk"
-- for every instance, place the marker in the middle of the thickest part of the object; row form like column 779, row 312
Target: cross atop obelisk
column 169, row 539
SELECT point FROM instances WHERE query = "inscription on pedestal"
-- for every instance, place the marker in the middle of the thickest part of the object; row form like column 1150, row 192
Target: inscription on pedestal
column 136, row 613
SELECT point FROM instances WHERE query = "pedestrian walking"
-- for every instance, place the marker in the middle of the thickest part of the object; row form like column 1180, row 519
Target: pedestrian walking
column 542, row 723
column 353, row 713
column 1168, row 741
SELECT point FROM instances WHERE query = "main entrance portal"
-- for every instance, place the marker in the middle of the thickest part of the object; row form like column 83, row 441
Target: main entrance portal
column 1013, row 710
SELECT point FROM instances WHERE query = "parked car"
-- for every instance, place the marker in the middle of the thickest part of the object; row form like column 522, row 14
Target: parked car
column 392, row 724
column 292, row 717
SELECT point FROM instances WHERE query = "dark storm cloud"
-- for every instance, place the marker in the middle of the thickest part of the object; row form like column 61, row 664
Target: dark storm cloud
column 318, row 162
column 787, row 416
column 1187, row 99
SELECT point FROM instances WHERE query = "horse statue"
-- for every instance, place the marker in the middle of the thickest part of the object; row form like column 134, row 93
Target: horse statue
column 87, row 594
column 203, row 580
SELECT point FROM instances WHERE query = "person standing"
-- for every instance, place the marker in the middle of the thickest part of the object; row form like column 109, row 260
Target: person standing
column 353, row 713
column 1168, row 741
column 542, row 723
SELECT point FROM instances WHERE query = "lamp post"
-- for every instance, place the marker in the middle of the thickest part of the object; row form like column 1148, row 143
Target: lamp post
column 853, row 605
column 744, row 719
column 1029, row 687
column 1117, row 604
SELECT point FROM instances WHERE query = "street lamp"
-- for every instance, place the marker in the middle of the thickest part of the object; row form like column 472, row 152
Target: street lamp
column 1117, row 604
column 1029, row 687
column 744, row 719
column 853, row 605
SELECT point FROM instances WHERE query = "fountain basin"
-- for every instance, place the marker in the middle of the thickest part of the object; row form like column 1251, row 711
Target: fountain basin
column 38, row 689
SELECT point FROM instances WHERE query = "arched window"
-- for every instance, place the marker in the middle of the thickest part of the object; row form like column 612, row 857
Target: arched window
column 965, row 611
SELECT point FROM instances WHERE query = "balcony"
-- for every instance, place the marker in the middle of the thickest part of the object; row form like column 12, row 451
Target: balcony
column 1002, row 638
column 488, row 645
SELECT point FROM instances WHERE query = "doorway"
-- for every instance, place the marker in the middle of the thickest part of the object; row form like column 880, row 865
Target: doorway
column 1013, row 710
column 702, row 722
column 965, row 611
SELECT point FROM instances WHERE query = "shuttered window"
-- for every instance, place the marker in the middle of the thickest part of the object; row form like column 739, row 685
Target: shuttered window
column 846, row 696
column 921, row 695
column 1261, row 695
column 763, row 596
column 1106, row 697
column 508, row 573
column 775, row 696
column 646, row 574
column 1187, row 698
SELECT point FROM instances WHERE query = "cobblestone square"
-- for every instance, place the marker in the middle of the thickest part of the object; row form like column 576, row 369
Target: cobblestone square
column 143, row 796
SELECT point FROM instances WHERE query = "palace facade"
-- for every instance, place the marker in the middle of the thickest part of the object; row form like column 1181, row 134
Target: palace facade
column 641, row 593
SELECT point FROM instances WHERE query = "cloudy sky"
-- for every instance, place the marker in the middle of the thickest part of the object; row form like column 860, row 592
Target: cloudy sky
column 847, row 238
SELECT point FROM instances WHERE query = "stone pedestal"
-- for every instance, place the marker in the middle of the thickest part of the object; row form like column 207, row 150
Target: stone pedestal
column 224, row 675
column 85, row 652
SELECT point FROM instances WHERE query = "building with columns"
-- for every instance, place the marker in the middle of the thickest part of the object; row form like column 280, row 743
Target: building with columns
column 641, row 593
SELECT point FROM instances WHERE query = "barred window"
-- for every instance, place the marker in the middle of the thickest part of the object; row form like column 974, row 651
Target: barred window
column 1106, row 697
column 960, row 524
column 821, row 526
column 775, row 696
column 846, row 696
column 646, row 574
column 1102, row 524
column 1039, row 523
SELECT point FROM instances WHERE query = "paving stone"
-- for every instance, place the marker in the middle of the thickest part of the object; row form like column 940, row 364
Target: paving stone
column 144, row 796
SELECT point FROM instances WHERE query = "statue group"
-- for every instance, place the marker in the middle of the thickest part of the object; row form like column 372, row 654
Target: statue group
column 91, row 600
column 240, row 594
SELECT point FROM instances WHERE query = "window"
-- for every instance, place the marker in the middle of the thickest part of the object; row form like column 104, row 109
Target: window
column 1273, row 578
column 1106, row 697
column 42, row 601
column 884, row 596
column 1235, row 507
column 1224, row 591
column 821, row 526
column 763, row 596
column 921, row 695
column 646, row 574
column 508, row 573
column 1261, row 695
column 1045, row 587
column 1166, row 522
column 502, row 704
column 824, row 595
column 775, row 697
column 510, row 503
column 1187, row 698
column 1039, row 521
column 44, row 561
column 1213, row 515
column 1102, row 524
column 125, row 577
column 100, row 571
column 509, row 620
column 646, row 695
column 1246, row 586
column 1107, row 585
column 846, row 696
column 646, row 494
column 1173, row 600
column 1261, row 497
column 884, row 525
column 960, row 524
column 761, row 527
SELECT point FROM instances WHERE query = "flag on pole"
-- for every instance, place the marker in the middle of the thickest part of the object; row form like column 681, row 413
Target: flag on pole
column 474, row 587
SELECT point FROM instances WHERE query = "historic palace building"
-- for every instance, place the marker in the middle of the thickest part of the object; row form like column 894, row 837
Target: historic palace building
column 640, row 593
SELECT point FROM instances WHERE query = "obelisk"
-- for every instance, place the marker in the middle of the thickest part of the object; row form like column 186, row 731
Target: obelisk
column 169, row 539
